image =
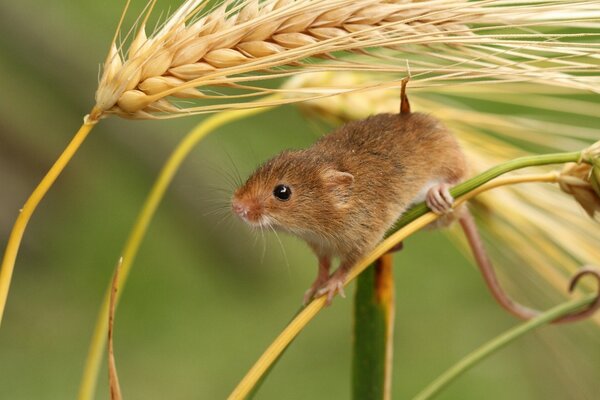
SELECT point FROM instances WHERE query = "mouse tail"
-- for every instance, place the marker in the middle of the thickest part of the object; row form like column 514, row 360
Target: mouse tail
column 404, row 103
column 485, row 266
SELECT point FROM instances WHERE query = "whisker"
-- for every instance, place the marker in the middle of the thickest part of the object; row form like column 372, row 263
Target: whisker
column 264, row 240
column 219, row 211
column 236, row 176
column 285, row 258
column 229, row 177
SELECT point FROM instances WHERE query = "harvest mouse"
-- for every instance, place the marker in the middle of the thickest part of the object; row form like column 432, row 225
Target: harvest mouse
column 344, row 192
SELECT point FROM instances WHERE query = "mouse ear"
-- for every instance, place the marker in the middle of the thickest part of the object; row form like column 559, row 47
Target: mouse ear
column 339, row 186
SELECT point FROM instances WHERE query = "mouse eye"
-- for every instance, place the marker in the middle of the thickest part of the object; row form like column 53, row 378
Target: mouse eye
column 282, row 192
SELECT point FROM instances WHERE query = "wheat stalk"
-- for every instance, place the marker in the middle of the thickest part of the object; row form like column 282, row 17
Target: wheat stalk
column 243, row 44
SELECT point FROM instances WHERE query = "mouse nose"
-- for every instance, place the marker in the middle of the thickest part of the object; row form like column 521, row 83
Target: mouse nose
column 239, row 208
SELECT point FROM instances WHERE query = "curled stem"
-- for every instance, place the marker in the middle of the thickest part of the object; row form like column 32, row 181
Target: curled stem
column 593, row 306
column 138, row 231
column 16, row 234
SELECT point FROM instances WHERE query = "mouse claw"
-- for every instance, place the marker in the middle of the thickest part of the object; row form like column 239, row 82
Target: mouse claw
column 439, row 199
column 308, row 295
column 334, row 285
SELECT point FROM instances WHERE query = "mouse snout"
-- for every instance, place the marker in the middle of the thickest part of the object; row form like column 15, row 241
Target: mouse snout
column 239, row 208
column 249, row 211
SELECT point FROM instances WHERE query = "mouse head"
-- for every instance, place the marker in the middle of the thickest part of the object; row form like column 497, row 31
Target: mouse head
column 295, row 191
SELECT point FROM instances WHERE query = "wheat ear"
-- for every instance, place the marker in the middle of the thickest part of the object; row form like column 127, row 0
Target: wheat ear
column 242, row 44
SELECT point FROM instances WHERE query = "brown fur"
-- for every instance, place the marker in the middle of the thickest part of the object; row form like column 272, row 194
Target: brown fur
column 351, row 185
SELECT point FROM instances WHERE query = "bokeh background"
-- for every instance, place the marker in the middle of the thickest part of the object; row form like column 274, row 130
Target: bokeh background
column 207, row 295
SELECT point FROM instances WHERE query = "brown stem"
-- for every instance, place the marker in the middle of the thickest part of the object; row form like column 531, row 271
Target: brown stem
column 384, row 290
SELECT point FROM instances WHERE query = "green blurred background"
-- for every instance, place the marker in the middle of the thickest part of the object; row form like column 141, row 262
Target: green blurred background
column 206, row 295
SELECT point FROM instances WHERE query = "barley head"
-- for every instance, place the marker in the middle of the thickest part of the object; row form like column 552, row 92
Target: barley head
column 177, row 69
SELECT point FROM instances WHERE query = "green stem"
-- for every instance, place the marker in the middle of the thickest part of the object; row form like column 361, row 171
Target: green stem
column 499, row 342
column 486, row 176
column 373, row 332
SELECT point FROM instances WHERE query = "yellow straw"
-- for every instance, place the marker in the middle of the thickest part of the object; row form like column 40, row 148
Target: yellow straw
column 14, row 240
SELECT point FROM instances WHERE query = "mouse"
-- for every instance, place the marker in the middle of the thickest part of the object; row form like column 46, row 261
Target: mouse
column 342, row 194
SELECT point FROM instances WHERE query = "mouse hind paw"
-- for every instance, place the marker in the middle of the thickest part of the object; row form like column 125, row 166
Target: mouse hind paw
column 334, row 285
column 439, row 199
column 310, row 294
